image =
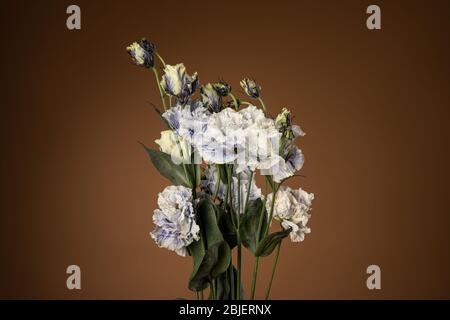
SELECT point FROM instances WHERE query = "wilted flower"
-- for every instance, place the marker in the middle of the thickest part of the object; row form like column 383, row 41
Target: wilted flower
column 251, row 88
column 175, row 220
column 292, row 208
column 211, row 98
column 210, row 185
column 222, row 88
column 175, row 146
column 287, row 166
column 283, row 122
column 176, row 82
column 142, row 53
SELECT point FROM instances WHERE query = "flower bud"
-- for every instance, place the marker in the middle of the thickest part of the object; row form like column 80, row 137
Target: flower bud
column 251, row 88
column 211, row 98
column 142, row 53
column 222, row 88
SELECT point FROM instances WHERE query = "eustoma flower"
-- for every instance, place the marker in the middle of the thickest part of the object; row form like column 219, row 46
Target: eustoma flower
column 142, row 53
column 179, row 150
column 176, row 82
column 251, row 88
column 292, row 210
column 175, row 224
column 291, row 158
column 188, row 121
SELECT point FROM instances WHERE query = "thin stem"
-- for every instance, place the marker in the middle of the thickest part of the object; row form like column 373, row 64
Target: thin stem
column 229, row 193
column 233, row 296
column 197, row 295
column 160, row 59
column 234, row 101
column 269, row 222
column 254, row 276
column 217, row 183
column 255, row 267
column 277, row 253
column 248, row 191
column 239, row 267
column 239, row 246
column 213, row 289
column 159, row 87
column 262, row 104
column 258, row 235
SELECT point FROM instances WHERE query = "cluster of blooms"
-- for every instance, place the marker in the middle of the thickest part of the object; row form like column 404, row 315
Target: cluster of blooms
column 213, row 132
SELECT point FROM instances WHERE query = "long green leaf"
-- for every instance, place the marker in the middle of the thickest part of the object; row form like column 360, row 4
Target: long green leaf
column 249, row 224
column 217, row 255
column 164, row 164
column 268, row 244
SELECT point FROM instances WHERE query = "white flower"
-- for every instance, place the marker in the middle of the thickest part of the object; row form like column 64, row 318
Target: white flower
column 292, row 210
column 210, row 185
column 176, row 82
column 175, row 146
column 246, row 138
column 286, row 167
column 175, row 224
column 189, row 121
column 224, row 134
column 262, row 141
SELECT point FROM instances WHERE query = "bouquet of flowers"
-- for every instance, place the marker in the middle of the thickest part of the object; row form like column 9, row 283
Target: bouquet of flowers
column 214, row 146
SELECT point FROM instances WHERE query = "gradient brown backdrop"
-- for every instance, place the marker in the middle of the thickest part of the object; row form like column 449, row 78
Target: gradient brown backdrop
column 77, row 188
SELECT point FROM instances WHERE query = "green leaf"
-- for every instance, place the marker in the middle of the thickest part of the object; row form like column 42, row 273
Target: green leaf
column 226, row 227
column 164, row 164
column 223, row 285
column 197, row 251
column 223, row 173
column 217, row 256
column 160, row 116
column 268, row 244
column 249, row 224
column 198, row 175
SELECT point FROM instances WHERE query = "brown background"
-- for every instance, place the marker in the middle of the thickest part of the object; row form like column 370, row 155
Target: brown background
column 77, row 188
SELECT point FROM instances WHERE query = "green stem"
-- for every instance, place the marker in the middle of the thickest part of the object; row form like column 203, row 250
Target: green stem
column 275, row 190
column 160, row 59
column 248, row 191
column 262, row 104
column 230, row 194
column 234, row 101
column 258, row 235
column 198, row 295
column 213, row 289
column 254, row 276
column 217, row 183
column 239, row 246
column 233, row 296
column 159, row 87
column 277, row 253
